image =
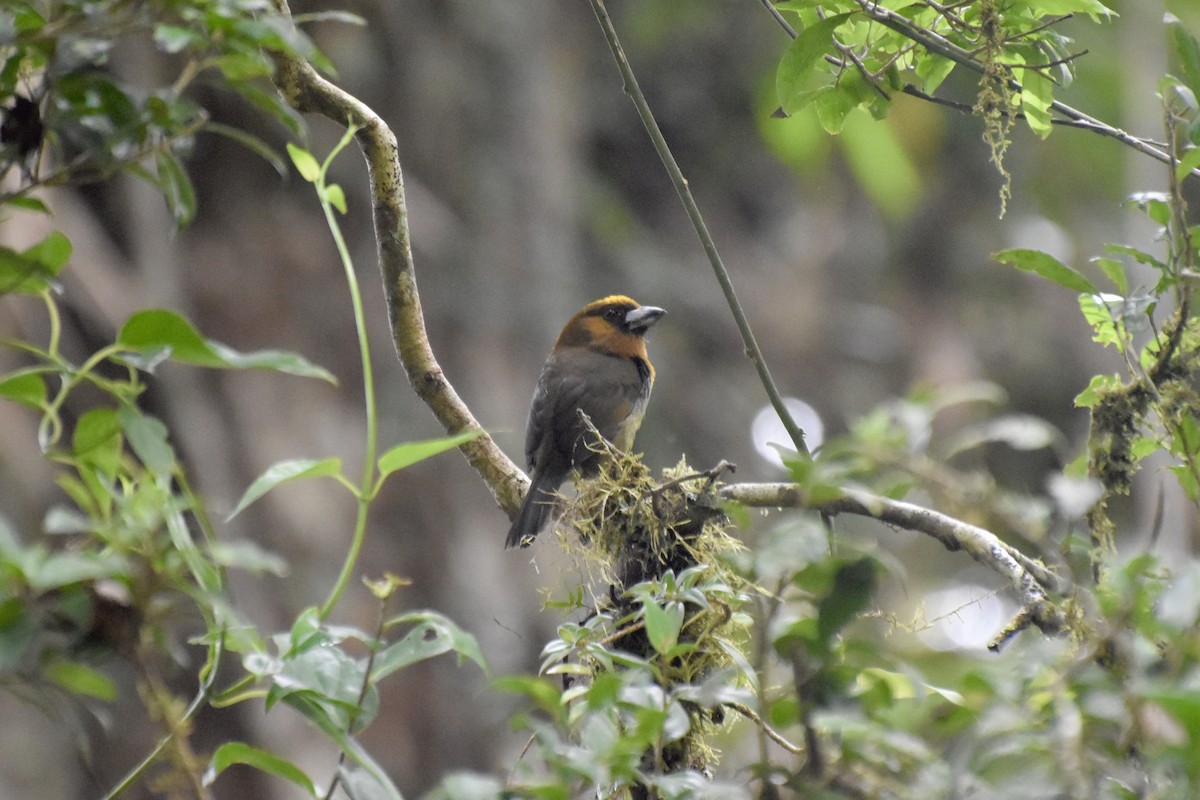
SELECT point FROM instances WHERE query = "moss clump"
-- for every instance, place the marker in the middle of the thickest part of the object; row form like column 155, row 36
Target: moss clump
column 628, row 529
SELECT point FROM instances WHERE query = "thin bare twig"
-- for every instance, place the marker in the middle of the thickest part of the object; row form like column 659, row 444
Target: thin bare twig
column 693, row 211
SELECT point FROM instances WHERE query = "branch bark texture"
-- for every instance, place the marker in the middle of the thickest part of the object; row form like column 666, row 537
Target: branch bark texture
column 308, row 92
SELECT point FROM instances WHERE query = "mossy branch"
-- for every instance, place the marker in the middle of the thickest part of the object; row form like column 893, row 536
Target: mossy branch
column 1029, row 579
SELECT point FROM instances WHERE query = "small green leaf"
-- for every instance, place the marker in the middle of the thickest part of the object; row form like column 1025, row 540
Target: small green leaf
column 853, row 585
column 336, row 197
column 1140, row 256
column 1037, row 94
column 1186, row 50
column 232, row 753
column 248, row 556
column 154, row 329
column 405, row 455
column 148, row 438
column 81, row 679
column 1097, row 387
column 53, row 252
column 663, row 623
column 57, row 570
column 1157, row 205
column 792, row 78
column 30, row 271
column 1115, row 271
column 177, row 188
column 433, row 635
column 148, row 332
column 1047, row 266
column 932, row 70
column 174, row 38
column 306, row 164
column 28, row 204
column 96, row 440
column 26, row 387
column 1048, row 8
column 1189, row 162
column 285, row 472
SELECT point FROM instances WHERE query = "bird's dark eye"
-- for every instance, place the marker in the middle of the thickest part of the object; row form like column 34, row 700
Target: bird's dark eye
column 613, row 314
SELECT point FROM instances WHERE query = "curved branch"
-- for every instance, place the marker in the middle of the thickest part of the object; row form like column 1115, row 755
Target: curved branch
column 1029, row 579
column 307, row 92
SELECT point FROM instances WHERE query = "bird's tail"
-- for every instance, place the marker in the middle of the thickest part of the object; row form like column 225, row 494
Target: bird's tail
column 534, row 512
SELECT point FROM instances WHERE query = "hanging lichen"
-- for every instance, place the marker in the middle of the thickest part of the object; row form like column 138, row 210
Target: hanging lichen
column 996, row 102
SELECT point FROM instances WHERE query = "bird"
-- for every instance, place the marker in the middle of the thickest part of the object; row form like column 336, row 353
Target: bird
column 598, row 366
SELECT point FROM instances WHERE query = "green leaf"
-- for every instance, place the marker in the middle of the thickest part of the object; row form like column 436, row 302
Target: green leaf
column 232, row 753
column 1097, row 387
column 1189, row 162
column 28, row 204
column 1047, row 266
column 149, row 331
column 1140, row 256
column 853, row 585
column 932, row 70
column 175, row 38
column 1018, row 431
column 406, row 454
column 53, row 252
column 433, row 635
column 663, row 623
column 148, row 438
column 285, row 472
column 81, row 679
column 1050, row 8
column 1114, row 271
column 1037, row 94
column 308, row 166
column 248, row 556
column 30, row 271
column 792, row 78
column 1098, row 313
column 336, row 197
column 1186, row 51
column 96, row 440
column 26, row 387
column 176, row 187
column 57, row 570
column 1157, row 205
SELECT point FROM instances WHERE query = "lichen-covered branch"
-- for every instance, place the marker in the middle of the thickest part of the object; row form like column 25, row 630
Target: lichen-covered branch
column 307, row 92
column 1029, row 579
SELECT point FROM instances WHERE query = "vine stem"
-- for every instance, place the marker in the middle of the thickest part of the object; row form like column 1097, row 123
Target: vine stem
column 753, row 352
column 363, row 492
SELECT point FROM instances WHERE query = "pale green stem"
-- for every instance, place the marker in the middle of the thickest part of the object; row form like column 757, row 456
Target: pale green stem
column 362, row 493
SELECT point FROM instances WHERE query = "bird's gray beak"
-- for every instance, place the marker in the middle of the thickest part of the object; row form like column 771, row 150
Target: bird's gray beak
column 642, row 317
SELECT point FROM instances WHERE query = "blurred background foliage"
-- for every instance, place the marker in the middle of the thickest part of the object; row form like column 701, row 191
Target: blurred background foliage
column 863, row 260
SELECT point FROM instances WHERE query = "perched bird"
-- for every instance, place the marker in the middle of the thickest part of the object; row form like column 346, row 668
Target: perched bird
column 598, row 366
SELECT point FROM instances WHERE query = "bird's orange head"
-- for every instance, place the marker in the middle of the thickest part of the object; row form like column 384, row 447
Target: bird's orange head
column 615, row 325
